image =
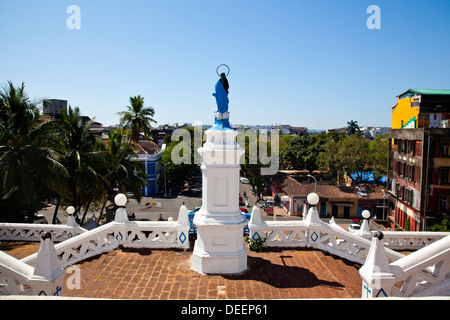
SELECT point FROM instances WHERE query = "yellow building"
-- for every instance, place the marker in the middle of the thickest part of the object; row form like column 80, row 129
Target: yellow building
column 422, row 108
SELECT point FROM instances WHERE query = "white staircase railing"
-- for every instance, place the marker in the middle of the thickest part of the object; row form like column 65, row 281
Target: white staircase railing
column 41, row 273
column 14, row 275
column 385, row 272
column 33, row 232
column 425, row 272
column 45, row 278
column 312, row 233
column 411, row 240
column 83, row 246
column 156, row 234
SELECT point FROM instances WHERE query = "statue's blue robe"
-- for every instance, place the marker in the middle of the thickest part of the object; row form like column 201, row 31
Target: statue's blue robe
column 222, row 107
column 221, row 98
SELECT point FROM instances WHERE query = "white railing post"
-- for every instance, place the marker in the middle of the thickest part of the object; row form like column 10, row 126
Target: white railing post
column 71, row 222
column 48, row 275
column 182, row 227
column 121, row 218
column 376, row 273
column 313, row 223
column 255, row 223
column 364, row 231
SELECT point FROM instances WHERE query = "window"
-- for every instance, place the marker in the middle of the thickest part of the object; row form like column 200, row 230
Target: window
column 444, row 176
column 443, row 203
column 400, row 191
column 444, row 150
column 411, row 147
column 400, row 146
column 410, row 170
column 409, row 196
column 398, row 167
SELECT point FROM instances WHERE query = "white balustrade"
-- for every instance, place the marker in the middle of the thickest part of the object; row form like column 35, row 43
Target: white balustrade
column 154, row 234
column 33, row 232
column 384, row 273
column 313, row 233
column 425, row 272
column 142, row 234
column 19, row 278
column 41, row 273
column 86, row 245
column 411, row 240
column 14, row 275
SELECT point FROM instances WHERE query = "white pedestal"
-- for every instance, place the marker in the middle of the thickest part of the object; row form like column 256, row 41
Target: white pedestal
column 220, row 248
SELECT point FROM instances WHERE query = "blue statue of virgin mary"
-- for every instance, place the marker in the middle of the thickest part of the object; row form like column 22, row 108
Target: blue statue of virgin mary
column 222, row 115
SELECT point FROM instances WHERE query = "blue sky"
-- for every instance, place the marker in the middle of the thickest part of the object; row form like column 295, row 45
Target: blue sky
column 304, row 63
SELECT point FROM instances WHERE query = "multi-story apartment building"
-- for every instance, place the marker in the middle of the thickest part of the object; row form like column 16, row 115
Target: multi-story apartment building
column 419, row 159
column 422, row 108
column 53, row 107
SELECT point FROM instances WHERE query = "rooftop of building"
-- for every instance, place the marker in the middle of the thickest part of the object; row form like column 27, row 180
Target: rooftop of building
column 294, row 188
column 148, row 147
column 166, row 274
column 427, row 91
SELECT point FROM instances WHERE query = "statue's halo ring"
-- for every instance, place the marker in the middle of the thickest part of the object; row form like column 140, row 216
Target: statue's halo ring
column 217, row 70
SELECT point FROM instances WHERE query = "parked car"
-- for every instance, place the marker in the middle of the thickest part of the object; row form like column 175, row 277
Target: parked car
column 354, row 227
column 39, row 218
column 244, row 180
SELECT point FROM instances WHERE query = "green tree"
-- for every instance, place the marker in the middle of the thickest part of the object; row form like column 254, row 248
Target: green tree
column 137, row 118
column 84, row 158
column 379, row 149
column 129, row 172
column 179, row 159
column 302, row 152
column 330, row 161
column 444, row 225
column 29, row 169
column 355, row 156
column 350, row 154
column 252, row 165
column 125, row 173
column 352, row 127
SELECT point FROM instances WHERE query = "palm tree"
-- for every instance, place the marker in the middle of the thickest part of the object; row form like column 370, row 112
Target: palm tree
column 29, row 168
column 85, row 159
column 126, row 173
column 137, row 118
column 352, row 127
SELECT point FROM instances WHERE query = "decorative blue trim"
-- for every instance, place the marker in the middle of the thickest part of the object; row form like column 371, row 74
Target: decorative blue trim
column 58, row 289
column 368, row 291
column 381, row 291
column 182, row 237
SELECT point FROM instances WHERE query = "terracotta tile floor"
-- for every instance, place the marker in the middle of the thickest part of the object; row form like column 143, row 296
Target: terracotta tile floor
column 166, row 274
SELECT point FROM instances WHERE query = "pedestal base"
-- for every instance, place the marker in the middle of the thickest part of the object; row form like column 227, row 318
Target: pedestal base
column 209, row 263
column 219, row 248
